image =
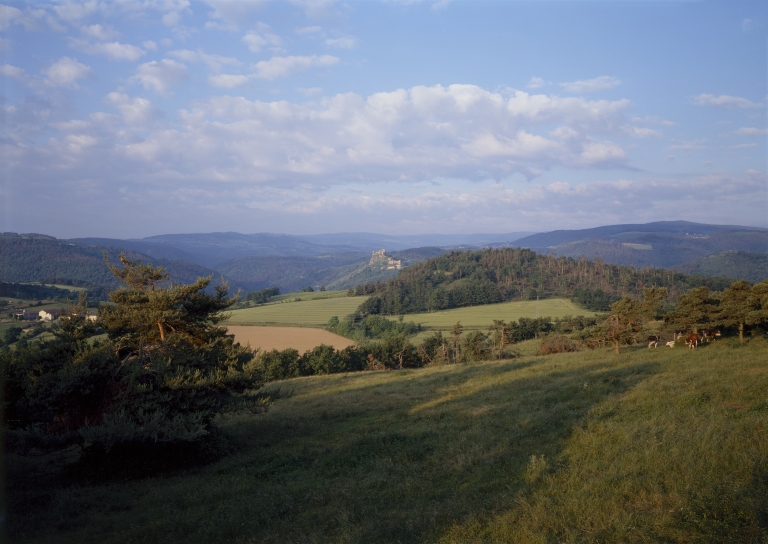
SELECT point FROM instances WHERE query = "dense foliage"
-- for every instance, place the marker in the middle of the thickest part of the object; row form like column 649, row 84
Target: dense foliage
column 39, row 258
column 370, row 327
column 33, row 291
column 494, row 275
column 164, row 372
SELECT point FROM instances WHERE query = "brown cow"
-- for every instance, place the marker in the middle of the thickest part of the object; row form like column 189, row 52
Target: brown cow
column 692, row 341
column 709, row 334
column 653, row 341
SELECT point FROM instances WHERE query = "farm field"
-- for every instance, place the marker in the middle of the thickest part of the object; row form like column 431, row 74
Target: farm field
column 299, row 338
column 643, row 446
column 483, row 316
column 315, row 312
column 317, row 295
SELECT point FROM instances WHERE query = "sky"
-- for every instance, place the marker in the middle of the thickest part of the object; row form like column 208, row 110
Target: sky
column 133, row 118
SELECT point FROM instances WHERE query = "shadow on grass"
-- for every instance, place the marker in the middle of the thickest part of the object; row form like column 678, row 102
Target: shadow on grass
column 399, row 458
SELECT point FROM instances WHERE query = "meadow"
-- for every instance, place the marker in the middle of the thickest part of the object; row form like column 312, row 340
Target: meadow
column 481, row 317
column 309, row 311
column 665, row 445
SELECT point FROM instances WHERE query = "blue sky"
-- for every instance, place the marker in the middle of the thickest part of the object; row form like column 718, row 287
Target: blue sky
column 133, row 118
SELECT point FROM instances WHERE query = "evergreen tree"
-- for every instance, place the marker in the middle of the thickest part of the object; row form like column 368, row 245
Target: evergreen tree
column 735, row 306
column 163, row 374
column 695, row 309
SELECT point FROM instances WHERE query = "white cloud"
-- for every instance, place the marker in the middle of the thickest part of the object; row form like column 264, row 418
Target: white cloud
column 258, row 41
column 308, row 30
column 742, row 146
column 535, row 82
column 751, row 131
column 149, row 45
column 134, row 110
column 111, row 50
column 228, row 81
column 214, row 62
column 9, row 14
column 724, row 101
column 341, row 43
column 99, row 32
column 228, row 15
column 6, row 70
column 65, row 72
column 173, row 11
column 601, row 83
column 161, row 75
column 285, row 66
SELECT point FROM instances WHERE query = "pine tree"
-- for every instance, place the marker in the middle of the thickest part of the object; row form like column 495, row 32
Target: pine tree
column 735, row 306
column 163, row 374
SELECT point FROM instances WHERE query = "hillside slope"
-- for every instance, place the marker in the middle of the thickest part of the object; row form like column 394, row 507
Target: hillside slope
column 32, row 258
column 733, row 264
column 471, row 278
column 663, row 244
column 647, row 446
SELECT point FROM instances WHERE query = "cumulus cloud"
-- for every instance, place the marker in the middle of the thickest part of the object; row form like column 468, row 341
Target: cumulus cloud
column 341, row 43
column 6, row 70
column 134, row 110
column 308, row 30
column 65, row 72
column 724, row 101
column 214, row 62
column 535, row 82
column 256, row 41
column 99, row 32
column 601, row 83
column 9, row 14
column 228, row 81
column 285, row 66
column 111, row 50
column 161, row 75
column 751, row 131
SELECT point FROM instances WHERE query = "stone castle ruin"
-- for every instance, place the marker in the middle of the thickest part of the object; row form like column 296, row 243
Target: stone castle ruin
column 384, row 262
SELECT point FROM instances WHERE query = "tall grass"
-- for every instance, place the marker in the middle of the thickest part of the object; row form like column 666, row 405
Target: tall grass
column 646, row 446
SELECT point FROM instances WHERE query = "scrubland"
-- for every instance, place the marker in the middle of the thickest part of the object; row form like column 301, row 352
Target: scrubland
column 650, row 445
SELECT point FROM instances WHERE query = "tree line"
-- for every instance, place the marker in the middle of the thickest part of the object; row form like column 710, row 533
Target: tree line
column 494, row 275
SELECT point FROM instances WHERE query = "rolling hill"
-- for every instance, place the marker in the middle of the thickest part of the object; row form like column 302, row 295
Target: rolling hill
column 664, row 244
column 34, row 257
column 735, row 264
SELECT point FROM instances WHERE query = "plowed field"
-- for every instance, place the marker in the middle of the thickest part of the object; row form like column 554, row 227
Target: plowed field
column 299, row 338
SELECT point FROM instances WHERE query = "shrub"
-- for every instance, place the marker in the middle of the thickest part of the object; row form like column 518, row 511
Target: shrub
column 557, row 343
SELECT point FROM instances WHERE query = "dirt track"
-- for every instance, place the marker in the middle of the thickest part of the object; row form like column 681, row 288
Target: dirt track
column 299, row 338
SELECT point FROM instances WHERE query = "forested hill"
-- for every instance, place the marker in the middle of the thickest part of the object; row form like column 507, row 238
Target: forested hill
column 494, row 275
column 33, row 258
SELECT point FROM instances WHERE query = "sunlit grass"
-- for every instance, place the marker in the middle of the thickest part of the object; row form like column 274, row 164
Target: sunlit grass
column 311, row 312
column 645, row 446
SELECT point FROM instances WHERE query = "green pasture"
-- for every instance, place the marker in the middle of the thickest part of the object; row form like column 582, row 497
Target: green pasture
column 309, row 312
column 478, row 317
column 664, row 445
column 317, row 295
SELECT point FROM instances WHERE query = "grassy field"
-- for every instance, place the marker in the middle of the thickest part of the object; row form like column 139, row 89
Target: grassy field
column 299, row 338
column 646, row 446
column 315, row 312
column 483, row 316
column 317, row 295
column 318, row 310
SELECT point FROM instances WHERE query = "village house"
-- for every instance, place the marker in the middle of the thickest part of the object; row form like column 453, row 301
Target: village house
column 54, row 313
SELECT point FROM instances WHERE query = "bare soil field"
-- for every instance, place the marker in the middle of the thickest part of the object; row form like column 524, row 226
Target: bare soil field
column 299, row 338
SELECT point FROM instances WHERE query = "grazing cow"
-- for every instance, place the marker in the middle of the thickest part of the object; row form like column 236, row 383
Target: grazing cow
column 671, row 344
column 709, row 334
column 692, row 341
column 679, row 334
column 654, row 341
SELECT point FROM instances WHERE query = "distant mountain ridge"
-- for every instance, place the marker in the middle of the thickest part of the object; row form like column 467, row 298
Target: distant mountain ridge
column 665, row 244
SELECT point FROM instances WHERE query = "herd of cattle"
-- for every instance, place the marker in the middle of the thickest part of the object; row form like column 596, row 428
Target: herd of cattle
column 691, row 339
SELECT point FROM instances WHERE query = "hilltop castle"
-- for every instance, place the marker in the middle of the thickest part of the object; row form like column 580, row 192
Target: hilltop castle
column 386, row 262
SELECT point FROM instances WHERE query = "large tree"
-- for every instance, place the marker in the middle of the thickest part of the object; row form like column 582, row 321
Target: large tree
column 695, row 309
column 162, row 375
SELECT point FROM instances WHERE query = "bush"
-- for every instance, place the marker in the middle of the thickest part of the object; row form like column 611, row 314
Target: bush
column 557, row 343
